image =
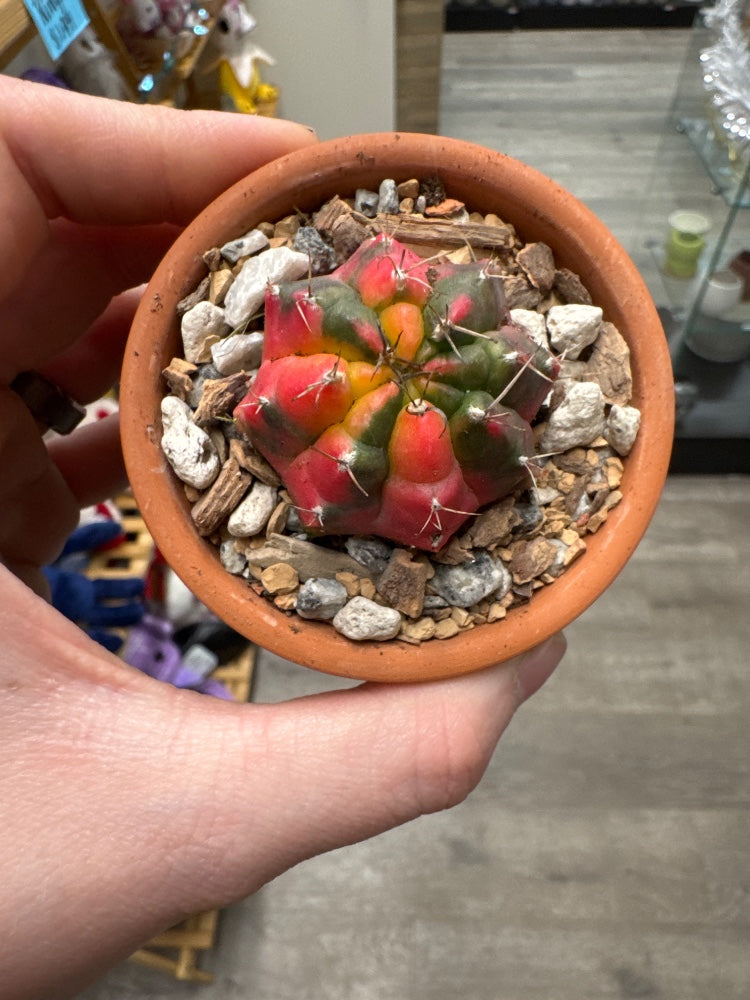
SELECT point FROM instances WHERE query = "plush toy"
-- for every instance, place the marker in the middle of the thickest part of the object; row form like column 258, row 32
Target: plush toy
column 238, row 59
column 89, row 67
column 142, row 23
column 97, row 605
column 152, row 649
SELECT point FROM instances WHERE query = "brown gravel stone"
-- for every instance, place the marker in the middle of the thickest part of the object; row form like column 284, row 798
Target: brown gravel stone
column 444, row 209
column 200, row 293
column 446, row 629
column 520, row 293
column 419, row 631
column 613, row 470
column 609, row 366
column 570, row 288
column 286, row 602
column 286, row 228
column 346, row 235
column 219, row 442
column 221, row 282
column 402, row 583
column 279, row 578
column 408, row 189
column 575, row 549
column 572, row 461
column 530, row 558
column 277, row 520
column 538, row 264
column 494, row 526
column 350, row 581
column 496, row 612
column 212, row 259
column 462, row 617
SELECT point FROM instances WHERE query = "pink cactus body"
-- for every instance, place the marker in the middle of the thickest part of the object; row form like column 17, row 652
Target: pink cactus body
column 395, row 395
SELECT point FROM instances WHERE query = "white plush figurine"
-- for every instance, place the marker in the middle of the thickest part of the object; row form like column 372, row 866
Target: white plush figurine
column 89, row 67
column 142, row 18
column 238, row 59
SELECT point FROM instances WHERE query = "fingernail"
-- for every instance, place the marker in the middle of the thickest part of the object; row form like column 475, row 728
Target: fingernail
column 536, row 666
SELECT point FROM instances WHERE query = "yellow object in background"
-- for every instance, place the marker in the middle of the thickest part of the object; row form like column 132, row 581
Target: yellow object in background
column 251, row 99
column 238, row 59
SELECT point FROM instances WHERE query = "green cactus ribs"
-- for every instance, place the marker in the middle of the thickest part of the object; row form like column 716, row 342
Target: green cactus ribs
column 395, row 395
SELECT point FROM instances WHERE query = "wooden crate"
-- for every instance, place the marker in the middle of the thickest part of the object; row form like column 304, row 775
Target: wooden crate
column 177, row 951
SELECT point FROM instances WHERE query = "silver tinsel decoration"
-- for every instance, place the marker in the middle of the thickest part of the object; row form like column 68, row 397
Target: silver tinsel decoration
column 726, row 72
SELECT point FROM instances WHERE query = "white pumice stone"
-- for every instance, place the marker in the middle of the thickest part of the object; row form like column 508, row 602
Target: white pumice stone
column 320, row 599
column 361, row 619
column 471, row 581
column 577, row 421
column 244, row 246
column 622, row 427
column 252, row 514
column 238, row 352
column 234, row 562
column 573, row 327
column 533, row 324
column 248, row 290
column 201, row 327
column 189, row 450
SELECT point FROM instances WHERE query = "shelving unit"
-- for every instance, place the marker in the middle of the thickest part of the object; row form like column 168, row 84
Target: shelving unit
column 16, row 29
column 158, row 80
column 696, row 170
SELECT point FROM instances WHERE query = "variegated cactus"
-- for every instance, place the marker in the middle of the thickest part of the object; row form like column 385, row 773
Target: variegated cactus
column 395, row 395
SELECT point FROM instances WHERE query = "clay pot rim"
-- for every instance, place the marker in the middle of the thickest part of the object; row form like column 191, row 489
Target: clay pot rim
column 489, row 182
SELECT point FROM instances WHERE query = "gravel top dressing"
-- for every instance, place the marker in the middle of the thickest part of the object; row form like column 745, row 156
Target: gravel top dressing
column 396, row 416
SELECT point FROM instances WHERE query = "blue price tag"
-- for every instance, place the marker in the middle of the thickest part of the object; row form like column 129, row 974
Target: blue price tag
column 58, row 22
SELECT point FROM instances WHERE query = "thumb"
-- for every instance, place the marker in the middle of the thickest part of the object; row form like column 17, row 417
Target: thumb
column 329, row 770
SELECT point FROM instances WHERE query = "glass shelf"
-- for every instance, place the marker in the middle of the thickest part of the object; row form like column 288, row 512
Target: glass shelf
column 728, row 178
column 695, row 172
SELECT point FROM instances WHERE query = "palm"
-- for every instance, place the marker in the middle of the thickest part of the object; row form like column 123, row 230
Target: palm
column 128, row 802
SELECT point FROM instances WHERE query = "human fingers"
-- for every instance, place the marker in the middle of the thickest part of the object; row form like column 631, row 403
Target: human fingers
column 90, row 461
column 71, row 282
column 38, row 509
column 91, row 365
column 334, row 769
column 103, row 162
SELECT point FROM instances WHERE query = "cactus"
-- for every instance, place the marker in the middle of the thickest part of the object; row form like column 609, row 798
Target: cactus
column 395, row 395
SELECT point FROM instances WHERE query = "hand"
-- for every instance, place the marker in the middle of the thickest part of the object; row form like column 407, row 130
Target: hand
column 93, row 192
column 128, row 804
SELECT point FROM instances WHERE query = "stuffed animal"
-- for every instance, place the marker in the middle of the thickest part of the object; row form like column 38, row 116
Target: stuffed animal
column 238, row 59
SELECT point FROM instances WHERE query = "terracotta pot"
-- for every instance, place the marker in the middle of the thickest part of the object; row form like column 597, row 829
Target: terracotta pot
column 487, row 182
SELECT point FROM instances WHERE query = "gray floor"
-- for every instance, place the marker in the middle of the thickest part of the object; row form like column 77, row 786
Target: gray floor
column 606, row 854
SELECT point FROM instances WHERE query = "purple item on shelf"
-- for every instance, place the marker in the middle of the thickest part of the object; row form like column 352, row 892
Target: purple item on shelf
column 151, row 649
column 35, row 74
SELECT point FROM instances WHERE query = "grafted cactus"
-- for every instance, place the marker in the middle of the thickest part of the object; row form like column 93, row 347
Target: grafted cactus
column 395, row 396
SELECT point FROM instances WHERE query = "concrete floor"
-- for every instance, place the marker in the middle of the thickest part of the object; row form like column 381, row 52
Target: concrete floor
column 606, row 853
